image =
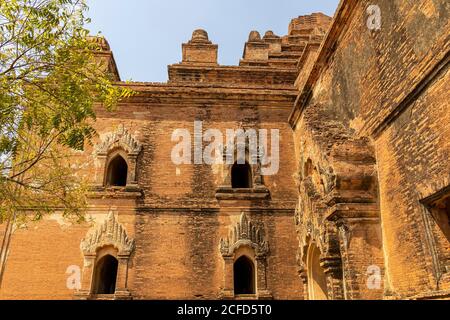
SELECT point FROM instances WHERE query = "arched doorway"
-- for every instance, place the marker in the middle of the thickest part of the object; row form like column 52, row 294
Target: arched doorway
column 244, row 276
column 241, row 176
column 105, row 275
column 117, row 172
column 317, row 280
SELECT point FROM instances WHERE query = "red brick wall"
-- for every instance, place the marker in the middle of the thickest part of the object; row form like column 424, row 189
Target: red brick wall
column 177, row 252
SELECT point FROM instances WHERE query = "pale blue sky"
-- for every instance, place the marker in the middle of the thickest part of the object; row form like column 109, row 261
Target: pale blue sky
column 146, row 35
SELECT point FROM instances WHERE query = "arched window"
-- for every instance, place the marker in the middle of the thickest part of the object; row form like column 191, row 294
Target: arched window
column 105, row 275
column 241, row 176
column 439, row 206
column 317, row 281
column 117, row 172
column 244, row 276
column 245, row 253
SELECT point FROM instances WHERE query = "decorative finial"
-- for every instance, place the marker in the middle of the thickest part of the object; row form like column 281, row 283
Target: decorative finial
column 254, row 36
column 270, row 34
column 200, row 36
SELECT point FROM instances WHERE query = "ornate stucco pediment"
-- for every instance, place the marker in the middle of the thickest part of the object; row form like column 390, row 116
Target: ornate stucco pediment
column 119, row 139
column 245, row 233
column 258, row 152
column 109, row 233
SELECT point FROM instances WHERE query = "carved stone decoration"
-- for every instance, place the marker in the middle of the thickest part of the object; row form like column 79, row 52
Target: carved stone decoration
column 319, row 182
column 109, row 233
column 331, row 207
column 123, row 143
column 121, row 138
column 247, row 235
column 245, row 232
column 329, row 178
column 315, row 180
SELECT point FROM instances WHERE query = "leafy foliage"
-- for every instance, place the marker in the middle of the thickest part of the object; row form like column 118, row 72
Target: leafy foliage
column 50, row 85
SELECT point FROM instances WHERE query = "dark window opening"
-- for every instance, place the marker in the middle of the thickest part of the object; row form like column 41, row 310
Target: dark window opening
column 117, row 172
column 241, row 176
column 105, row 275
column 244, row 276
